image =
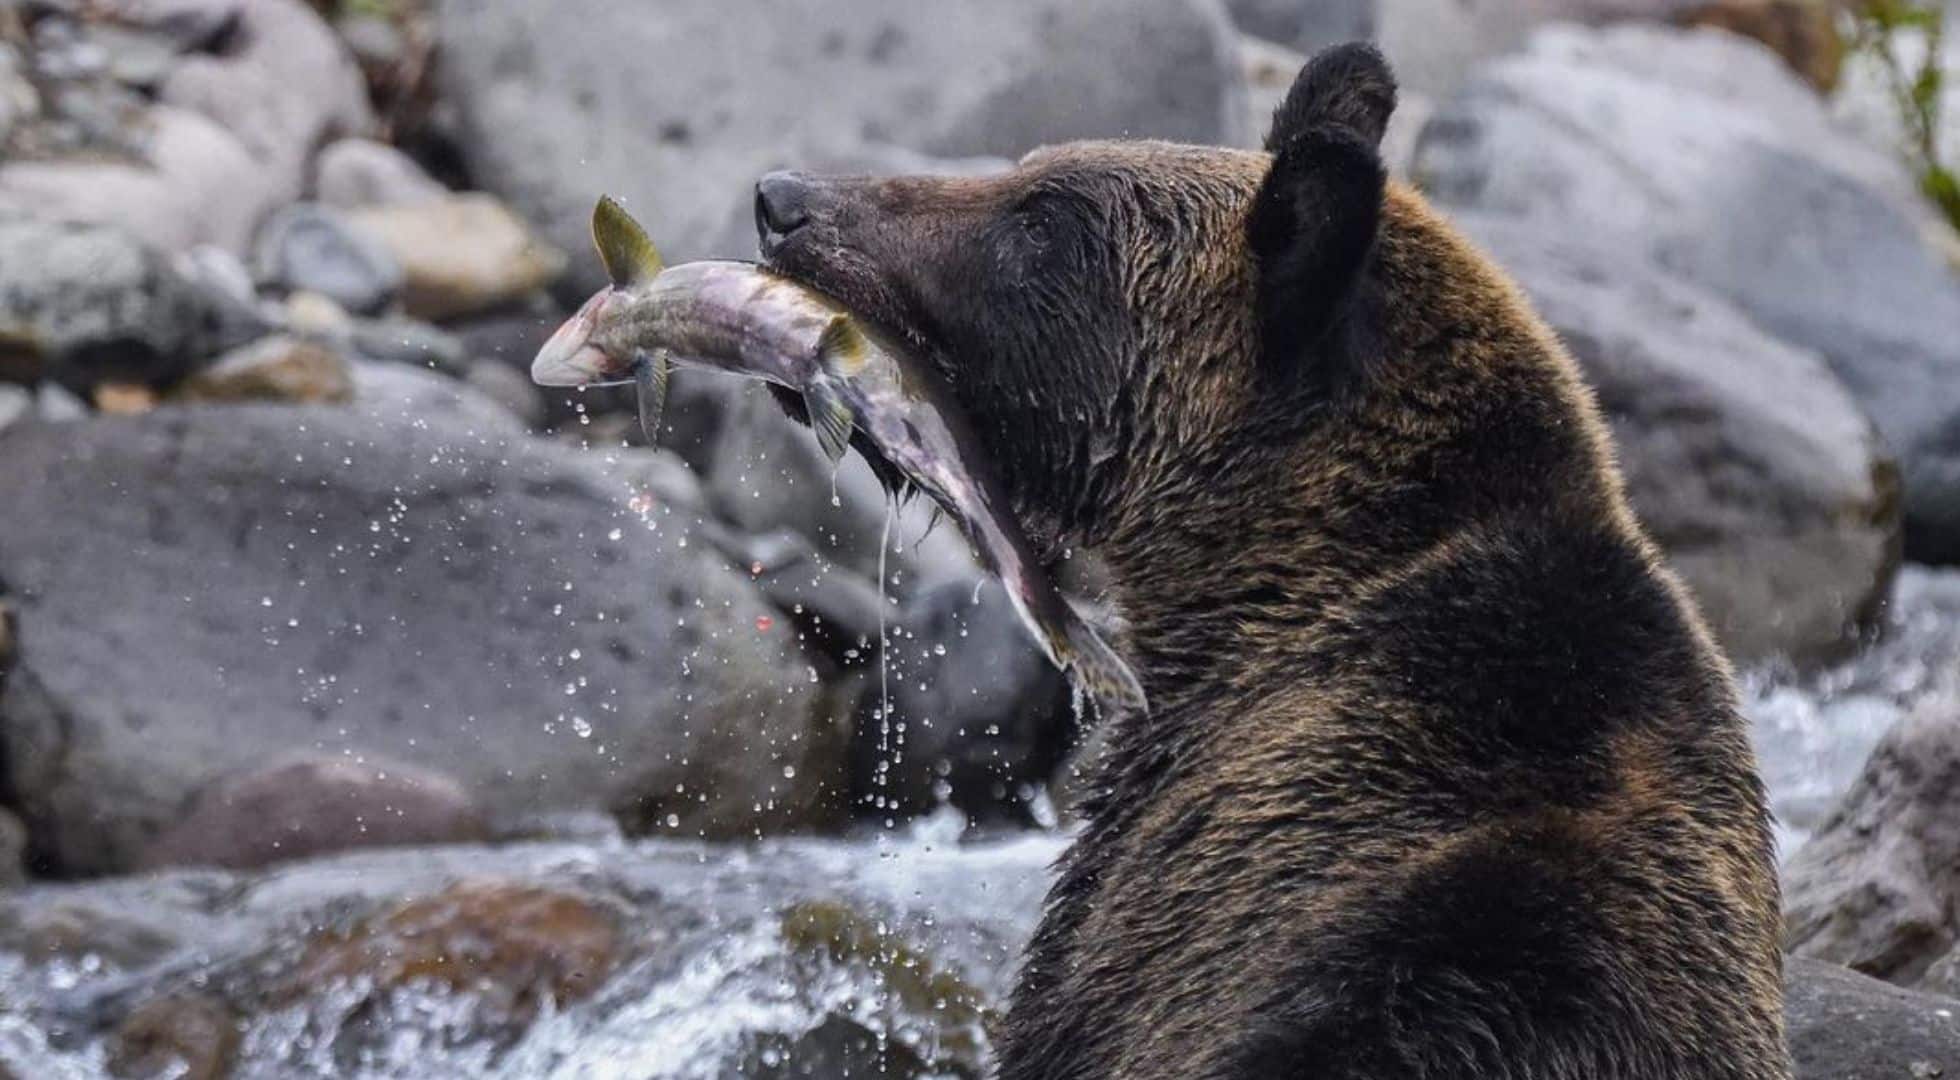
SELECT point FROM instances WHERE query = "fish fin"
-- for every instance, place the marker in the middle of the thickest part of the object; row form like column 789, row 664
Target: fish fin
column 650, row 374
column 1099, row 672
column 623, row 245
column 842, row 347
column 832, row 420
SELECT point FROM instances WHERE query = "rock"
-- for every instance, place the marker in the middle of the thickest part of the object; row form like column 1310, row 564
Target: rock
column 1305, row 25
column 835, row 610
column 398, row 340
column 278, row 368
column 356, row 173
column 1844, row 1026
column 397, row 394
column 1803, row 32
column 518, row 946
column 84, row 304
column 166, row 199
column 364, row 552
column 306, row 247
column 534, row 94
column 13, row 850
column 509, row 388
column 123, row 399
column 58, row 406
column 314, row 805
column 312, row 315
column 283, row 86
column 189, row 1037
column 16, row 403
column 1744, row 457
column 461, row 254
column 1874, row 889
column 979, row 718
column 1699, row 152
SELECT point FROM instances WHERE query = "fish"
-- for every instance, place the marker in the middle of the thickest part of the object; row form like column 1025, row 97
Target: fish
column 739, row 318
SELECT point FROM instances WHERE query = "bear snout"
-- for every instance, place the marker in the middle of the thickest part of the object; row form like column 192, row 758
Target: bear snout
column 782, row 206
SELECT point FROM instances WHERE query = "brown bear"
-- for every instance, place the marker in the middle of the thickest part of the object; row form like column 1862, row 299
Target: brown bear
column 1442, row 776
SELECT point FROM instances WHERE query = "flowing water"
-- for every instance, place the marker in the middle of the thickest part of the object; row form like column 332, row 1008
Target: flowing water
column 661, row 960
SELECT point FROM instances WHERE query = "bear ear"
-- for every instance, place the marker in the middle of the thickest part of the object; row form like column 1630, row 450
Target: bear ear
column 1313, row 222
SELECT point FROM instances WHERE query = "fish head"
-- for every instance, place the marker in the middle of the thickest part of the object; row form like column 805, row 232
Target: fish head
column 577, row 354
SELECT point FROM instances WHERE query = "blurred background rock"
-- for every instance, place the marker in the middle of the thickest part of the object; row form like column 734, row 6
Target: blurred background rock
column 294, row 560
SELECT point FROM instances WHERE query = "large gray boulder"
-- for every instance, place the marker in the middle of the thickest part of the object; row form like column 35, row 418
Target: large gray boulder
column 1743, row 455
column 203, row 589
column 1875, row 888
column 678, row 107
column 1699, row 152
column 1306, row 25
column 1847, row 1026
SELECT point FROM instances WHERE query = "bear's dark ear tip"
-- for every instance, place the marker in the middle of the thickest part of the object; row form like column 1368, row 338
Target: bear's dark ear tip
column 1348, row 89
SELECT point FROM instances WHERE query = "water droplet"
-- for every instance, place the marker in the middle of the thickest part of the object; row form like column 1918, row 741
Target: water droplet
column 763, row 623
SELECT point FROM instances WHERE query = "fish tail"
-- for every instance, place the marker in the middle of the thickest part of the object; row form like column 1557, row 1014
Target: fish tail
column 1099, row 672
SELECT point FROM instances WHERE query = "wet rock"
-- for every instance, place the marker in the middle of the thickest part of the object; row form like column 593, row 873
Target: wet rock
column 979, row 717
column 315, row 805
column 1875, row 888
column 836, row 610
column 313, row 248
column 1699, row 153
column 188, row 1037
column 1744, row 457
column 1845, row 1026
column 355, row 173
column 283, row 85
column 460, row 255
column 1305, row 25
column 83, row 304
column 278, row 368
column 532, row 92
column 517, row 946
column 511, row 389
column 365, row 548
column 412, row 342
column 165, row 198
column 13, row 850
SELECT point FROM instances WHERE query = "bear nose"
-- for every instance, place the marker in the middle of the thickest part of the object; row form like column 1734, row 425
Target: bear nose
column 782, row 206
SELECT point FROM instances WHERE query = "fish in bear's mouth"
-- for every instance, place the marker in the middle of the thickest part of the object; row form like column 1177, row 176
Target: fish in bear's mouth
column 855, row 385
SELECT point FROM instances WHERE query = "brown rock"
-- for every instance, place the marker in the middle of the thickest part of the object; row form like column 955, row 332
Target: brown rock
column 1875, row 888
column 512, row 943
column 124, row 399
column 461, row 254
column 278, row 368
column 13, row 850
column 313, row 806
column 189, row 1036
column 1803, row 32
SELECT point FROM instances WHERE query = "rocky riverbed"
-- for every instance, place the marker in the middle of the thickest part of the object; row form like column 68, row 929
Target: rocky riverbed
column 367, row 711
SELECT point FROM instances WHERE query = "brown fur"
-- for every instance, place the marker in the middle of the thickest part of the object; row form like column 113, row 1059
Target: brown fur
column 1443, row 776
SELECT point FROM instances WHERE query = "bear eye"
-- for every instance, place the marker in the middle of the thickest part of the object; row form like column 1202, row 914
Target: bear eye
column 1036, row 230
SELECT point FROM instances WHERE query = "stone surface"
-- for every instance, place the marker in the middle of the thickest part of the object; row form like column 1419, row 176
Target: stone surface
column 278, row 368
column 283, row 86
column 310, row 248
column 316, row 805
column 546, row 121
column 166, row 198
column 1845, row 1026
column 1305, row 25
column 1744, row 457
column 1699, row 152
column 403, row 577
column 461, row 254
column 82, row 304
column 188, row 1037
column 1875, row 887
column 13, row 850
column 354, row 173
